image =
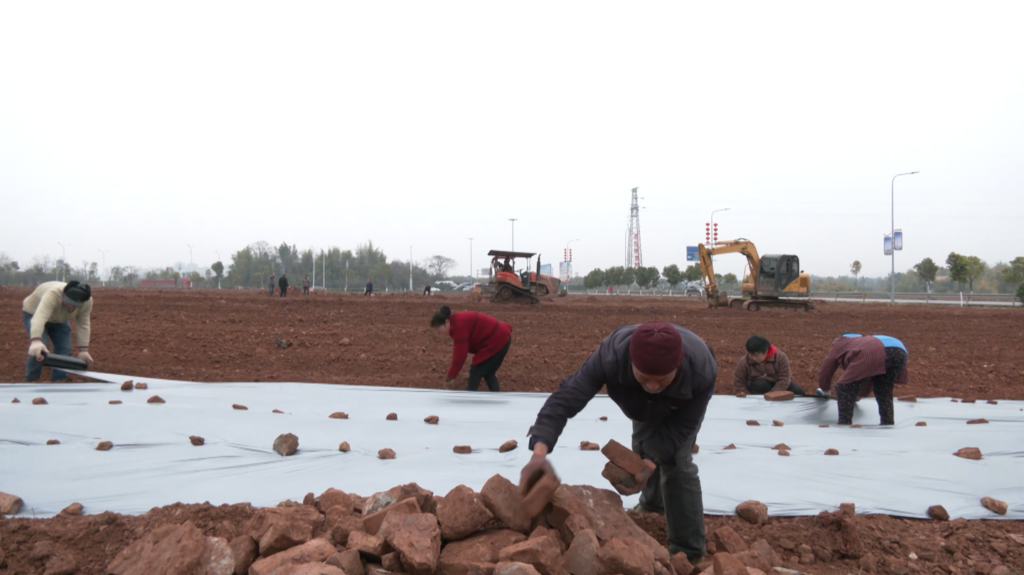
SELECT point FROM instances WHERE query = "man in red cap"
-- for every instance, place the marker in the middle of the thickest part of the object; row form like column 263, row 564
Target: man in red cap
column 662, row 377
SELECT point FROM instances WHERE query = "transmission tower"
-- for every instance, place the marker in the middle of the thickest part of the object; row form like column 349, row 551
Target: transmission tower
column 634, row 257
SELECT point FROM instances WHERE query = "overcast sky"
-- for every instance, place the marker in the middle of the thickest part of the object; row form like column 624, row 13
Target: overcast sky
column 140, row 127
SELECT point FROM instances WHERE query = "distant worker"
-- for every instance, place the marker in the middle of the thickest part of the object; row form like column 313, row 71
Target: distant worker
column 488, row 339
column 272, row 282
column 762, row 369
column 46, row 313
column 662, row 377
column 426, row 289
column 870, row 363
column 283, row 284
column 305, row 284
column 369, row 288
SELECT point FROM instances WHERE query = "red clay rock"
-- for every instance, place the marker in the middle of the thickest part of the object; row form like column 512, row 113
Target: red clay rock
column 344, row 447
column 968, row 400
column 104, row 446
column 994, row 505
column 126, row 386
column 15, row 400
column 277, row 411
column 589, row 446
column 53, row 442
column 730, row 446
column 573, row 525
column 386, row 453
column 848, row 509
column 992, row 402
column 753, row 512
column 741, row 394
column 424, row 497
column 432, row 419
column 338, row 415
column 348, row 561
column 777, row 423
column 391, row 562
column 823, row 425
column 603, row 418
column 373, row 521
column 540, row 493
column 245, row 551
column 544, row 553
column 418, row 543
column 681, row 565
column 462, row 449
column 623, row 457
column 39, row 401
column 196, row 440
column 696, row 448
column 781, row 446
column 141, row 386
column 582, row 555
column 309, row 499
column 975, row 421
column 334, row 498
column 625, row 557
column 503, row 500
column 779, row 396
column 462, row 513
column 726, row 564
column 910, row 398
column 616, row 475
column 341, row 525
column 279, row 528
column 369, row 546
column 921, row 424
column 239, row 406
column 831, row 451
column 316, row 550
column 286, row 444
column 783, row 452
column 726, row 539
column 174, row 550
column 938, row 513
column 753, row 422
column 508, row 446
column 544, row 531
column 968, row 453
column 392, row 417
column 855, row 426
column 482, row 547
column 513, row 568
column 114, row 402
column 9, row 504
column 155, row 399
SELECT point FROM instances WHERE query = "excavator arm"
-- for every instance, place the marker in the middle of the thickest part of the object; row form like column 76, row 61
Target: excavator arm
column 707, row 268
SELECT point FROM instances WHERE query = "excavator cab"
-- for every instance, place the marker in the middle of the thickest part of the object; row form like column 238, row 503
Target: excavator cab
column 776, row 274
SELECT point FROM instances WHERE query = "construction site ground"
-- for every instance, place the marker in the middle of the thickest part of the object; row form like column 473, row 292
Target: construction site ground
column 229, row 335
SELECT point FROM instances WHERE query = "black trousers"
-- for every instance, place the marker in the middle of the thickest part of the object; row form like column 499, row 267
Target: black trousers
column 284, row 291
column 763, row 386
column 487, row 370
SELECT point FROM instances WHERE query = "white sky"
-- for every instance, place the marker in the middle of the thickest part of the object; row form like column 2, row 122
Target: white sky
column 140, row 127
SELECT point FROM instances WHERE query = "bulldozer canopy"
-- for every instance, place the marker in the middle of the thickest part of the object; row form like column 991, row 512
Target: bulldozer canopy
column 504, row 254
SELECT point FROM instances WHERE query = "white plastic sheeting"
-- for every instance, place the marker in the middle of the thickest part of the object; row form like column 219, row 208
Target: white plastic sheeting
column 898, row 470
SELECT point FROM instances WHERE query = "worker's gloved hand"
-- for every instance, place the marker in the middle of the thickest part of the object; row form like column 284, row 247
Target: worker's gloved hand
column 37, row 349
column 641, row 480
column 84, row 355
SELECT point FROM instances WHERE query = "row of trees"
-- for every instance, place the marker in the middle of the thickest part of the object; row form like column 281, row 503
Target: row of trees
column 959, row 272
column 647, row 277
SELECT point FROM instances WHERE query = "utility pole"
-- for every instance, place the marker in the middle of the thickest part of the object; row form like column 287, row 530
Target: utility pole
column 892, row 222
column 222, row 265
column 104, row 265
column 634, row 257
column 472, row 276
column 312, row 250
column 410, row 268
column 513, row 220
column 63, row 262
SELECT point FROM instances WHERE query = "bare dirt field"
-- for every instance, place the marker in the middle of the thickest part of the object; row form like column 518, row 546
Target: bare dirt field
column 228, row 335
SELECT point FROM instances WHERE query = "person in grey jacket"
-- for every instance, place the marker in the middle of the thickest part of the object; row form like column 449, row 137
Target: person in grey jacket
column 662, row 376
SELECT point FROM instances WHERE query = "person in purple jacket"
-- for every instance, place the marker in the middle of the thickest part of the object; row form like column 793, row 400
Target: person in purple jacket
column 662, row 377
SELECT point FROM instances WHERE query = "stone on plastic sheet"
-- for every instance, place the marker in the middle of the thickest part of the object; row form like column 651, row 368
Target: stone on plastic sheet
column 626, row 557
column 938, row 513
column 141, row 385
column 39, row 401
column 581, row 557
column 332, row 498
column 126, row 386
column 974, row 421
column 9, row 504
column 753, row 512
column 848, row 509
column 463, row 449
column 341, row 524
column 726, row 539
column 369, row 546
column 286, row 444
column 779, row 396
column 462, row 513
column 777, row 423
column 74, row 509
column 246, row 551
column 994, row 505
column 432, row 419
column 239, row 406
column 175, row 550
column 196, row 440
column 753, row 422
column 968, row 453
column 392, row 417
column 344, row 447
column 515, row 568
column 604, row 512
column 348, row 561
column 156, row 399
column 338, row 415
column 544, row 553
column 316, row 550
column 386, row 453
column 831, row 451
column 508, row 446
column 482, row 547
column 278, row 528
column 104, row 446
column 503, row 500
column 373, row 521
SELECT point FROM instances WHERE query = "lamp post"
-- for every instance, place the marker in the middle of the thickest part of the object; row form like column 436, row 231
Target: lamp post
column 312, row 250
column 513, row 220
column 715, row 240
column 410, row 268
column 222, row 265
column 568, row 268
column 63, row 261
column 104, row 254
column 472, row 279
column 892, row 231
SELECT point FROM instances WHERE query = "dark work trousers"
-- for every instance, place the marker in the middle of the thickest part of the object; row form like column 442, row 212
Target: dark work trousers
column 284, row 291
column 674, row 489
column 895, row 362
column 487, row 370
column 59, row 334
column 763, row 386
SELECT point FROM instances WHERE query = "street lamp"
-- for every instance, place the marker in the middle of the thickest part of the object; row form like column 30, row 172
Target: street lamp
column 104, row 254
column 63, row 261
column 222, row 266
column 312, row 250
column 471, row 276
column 892, row 231
column 513, row 220
column 410, row 268
column 713, row 223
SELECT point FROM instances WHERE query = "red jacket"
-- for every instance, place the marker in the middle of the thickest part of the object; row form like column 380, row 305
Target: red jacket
column 476, row 333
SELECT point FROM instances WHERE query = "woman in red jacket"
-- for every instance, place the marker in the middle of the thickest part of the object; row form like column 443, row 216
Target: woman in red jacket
column 473, row 332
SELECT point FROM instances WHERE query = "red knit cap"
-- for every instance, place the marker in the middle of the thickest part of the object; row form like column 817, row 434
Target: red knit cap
column 656, row 348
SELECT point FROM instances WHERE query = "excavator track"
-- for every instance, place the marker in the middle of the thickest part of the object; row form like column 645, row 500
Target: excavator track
column 506, row 293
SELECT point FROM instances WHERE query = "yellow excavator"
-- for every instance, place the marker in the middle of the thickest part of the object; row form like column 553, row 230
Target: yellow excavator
column 771, row 281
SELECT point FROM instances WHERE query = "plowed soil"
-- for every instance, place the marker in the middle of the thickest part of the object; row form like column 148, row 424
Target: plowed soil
column 228, row 335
